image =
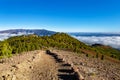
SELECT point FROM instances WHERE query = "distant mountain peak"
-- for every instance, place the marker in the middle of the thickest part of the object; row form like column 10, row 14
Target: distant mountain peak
column 16, row 32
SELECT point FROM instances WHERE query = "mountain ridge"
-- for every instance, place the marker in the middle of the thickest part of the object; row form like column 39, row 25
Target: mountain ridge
column 62, row 41
column 5, row 34
column 32, row 31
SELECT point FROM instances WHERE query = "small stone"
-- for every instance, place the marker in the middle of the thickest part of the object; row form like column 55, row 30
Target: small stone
column 31, row 67
column 14, row 77
column 3, row 77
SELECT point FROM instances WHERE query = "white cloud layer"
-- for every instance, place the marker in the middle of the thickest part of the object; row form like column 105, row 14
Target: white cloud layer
column 4, row 36
column 113, row 41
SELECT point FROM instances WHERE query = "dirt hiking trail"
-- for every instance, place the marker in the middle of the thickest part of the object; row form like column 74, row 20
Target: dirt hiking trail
column 56, row 65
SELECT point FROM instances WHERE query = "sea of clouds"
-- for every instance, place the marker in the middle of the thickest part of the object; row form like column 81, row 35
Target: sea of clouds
column 113, row 41
column 4, row 36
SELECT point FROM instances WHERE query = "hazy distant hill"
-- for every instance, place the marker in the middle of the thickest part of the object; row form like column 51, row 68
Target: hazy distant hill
column 17, row 32
column 29, row 31
column 98, row 34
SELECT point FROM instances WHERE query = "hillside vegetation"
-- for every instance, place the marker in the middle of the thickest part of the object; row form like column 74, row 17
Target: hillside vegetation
column 62, row 41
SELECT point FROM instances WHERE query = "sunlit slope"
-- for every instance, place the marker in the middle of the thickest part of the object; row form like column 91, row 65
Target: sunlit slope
column 62, row 41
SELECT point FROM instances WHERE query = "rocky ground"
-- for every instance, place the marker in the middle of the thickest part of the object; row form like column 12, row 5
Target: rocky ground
column 92, row 68
column 61, row 65
column 35, row 65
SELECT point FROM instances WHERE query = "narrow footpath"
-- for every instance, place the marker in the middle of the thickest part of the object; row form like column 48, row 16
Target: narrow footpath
column 36, row 65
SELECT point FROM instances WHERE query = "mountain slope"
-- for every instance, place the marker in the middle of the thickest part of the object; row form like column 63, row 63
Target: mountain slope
column 62, row 41
column 107, row 50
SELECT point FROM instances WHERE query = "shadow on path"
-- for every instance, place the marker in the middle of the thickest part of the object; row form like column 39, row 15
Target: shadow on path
column 65, row 72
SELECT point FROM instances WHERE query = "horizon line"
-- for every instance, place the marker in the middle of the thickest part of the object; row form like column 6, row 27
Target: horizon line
column 61, row 31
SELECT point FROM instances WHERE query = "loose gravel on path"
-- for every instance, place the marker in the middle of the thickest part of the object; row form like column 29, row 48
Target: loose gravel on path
column 59, row 65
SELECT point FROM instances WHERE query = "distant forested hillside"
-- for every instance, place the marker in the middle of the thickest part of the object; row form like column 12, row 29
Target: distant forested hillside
column 18, row 44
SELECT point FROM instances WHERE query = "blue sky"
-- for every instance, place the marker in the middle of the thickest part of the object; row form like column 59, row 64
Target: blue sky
column 61, row 15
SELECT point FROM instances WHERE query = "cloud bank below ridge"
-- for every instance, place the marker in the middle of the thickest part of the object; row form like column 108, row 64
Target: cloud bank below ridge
column 113, row 41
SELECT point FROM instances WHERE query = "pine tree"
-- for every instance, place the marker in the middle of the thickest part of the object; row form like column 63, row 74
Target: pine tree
column 6, row 50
